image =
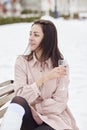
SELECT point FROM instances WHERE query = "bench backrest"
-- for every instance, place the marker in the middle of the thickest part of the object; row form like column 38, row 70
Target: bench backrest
column 6, row 94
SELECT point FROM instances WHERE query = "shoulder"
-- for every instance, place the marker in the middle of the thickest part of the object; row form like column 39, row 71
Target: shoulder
column 21, row 61
column 20, row 58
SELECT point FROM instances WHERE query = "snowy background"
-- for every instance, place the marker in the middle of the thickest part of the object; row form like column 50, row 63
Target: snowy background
column 72, row 37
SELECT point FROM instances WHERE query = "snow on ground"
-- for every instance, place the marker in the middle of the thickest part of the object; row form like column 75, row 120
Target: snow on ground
column 73, row 44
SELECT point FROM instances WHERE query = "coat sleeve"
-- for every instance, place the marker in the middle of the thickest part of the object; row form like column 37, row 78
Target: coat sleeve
column 58, row 102
column 21, row 87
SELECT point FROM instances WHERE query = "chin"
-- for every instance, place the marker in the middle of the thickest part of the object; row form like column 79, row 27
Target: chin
column 32, row 49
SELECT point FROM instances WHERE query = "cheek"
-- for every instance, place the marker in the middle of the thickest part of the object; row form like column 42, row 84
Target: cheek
column 39, row 41
column 37, row 45
column 34, row 46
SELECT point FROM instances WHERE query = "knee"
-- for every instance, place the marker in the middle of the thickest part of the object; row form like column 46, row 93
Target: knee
column 19, row 100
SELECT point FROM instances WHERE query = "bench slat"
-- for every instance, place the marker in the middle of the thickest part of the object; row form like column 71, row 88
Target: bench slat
column 2, row 112
column 6, row 98
column 6, row 89
column 6, row 83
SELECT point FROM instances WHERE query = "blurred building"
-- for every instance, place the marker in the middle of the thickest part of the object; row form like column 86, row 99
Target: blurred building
column 9, row 8
column 63, row 7
column 31, row 4
column 1, row 7
column 78, row 7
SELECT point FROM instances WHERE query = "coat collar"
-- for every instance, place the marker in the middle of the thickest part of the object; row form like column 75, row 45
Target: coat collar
column 34, row 62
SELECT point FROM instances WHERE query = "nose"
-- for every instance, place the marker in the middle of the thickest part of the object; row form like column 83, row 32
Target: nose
column 31, row 37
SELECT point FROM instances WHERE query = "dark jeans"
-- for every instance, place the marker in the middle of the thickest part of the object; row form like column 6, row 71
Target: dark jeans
column 28, row 121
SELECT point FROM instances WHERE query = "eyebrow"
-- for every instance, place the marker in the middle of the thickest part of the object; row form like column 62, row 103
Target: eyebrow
column 34, row 32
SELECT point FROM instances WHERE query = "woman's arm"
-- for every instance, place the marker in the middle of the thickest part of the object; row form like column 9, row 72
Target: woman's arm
column 58, row 102
column 57, row 72
column 29, row 92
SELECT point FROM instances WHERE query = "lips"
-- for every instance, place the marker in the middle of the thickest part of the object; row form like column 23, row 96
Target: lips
column 32, row 44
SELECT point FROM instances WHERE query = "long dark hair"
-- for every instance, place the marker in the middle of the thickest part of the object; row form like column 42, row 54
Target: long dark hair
column 49, row 43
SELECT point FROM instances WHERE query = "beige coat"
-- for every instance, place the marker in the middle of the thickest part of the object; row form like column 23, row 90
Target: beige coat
column 53, row 109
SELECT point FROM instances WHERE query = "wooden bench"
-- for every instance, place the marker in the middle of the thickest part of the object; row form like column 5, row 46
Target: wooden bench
column 6, row 94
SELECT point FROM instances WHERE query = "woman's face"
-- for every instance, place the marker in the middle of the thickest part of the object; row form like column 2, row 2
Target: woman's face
column 36, row 36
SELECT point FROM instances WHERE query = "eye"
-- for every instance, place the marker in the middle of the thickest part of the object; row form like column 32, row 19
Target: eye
column 37, row 35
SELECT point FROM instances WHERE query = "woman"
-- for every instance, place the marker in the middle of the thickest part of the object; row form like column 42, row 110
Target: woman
column 41, row 85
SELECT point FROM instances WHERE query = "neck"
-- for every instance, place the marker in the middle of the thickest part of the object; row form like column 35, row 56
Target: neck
column 38, row 55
